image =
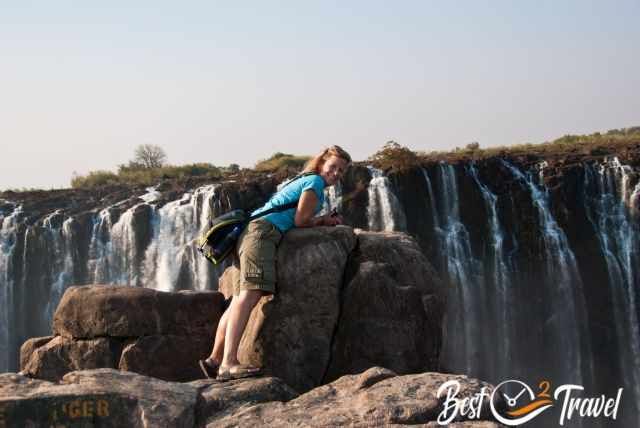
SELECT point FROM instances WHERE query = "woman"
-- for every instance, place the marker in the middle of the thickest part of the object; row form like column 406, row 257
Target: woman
column 257, row 249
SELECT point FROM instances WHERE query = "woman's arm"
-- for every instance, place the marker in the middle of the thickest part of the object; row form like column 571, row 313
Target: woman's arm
column 306, row 207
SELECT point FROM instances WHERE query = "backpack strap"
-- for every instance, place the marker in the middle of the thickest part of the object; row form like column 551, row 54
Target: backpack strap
column 284, row 207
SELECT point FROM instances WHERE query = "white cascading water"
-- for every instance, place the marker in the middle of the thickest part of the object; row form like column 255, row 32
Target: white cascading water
column 634, row 201
column 175, row 226
column 463, row 272
column 562, row 328
column 500, row 278
column 7, row 246
column 332, row 199
column 384, row 211
column 152, row 195
column 61, row 261
column 112, row 249
column 609, row 205
column 100, row 248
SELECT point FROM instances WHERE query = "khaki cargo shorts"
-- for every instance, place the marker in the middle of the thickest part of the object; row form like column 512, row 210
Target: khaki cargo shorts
column 256, row 255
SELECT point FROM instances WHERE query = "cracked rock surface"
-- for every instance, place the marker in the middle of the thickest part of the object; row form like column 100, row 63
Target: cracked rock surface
column 346, row 300
column 112, row 398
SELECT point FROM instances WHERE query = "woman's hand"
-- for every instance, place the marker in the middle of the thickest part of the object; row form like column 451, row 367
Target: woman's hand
column 330, row 220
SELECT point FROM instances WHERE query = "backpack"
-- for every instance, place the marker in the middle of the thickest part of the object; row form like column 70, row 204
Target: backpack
column 223, row 233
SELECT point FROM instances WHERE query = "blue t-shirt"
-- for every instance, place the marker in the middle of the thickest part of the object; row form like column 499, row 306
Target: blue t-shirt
column 285, row 220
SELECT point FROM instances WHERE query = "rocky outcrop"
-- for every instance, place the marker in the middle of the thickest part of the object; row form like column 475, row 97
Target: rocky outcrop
column 347, row 300
column 96, row 311
column 101, row 398
column 376, row 397
column 141, row 330
column 111, row 398
column 30, row 346
column 220, row 400
column 62, row 355
column 290, row 333
column 391, row 308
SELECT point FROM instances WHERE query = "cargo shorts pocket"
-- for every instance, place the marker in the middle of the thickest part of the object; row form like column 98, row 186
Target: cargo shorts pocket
column 257, row 254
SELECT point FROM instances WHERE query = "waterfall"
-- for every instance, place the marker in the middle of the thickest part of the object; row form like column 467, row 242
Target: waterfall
column 171, row 250
column 332, row 199
column 60, row 249
column 563, row 322
column 609, row 206
column 152, row 195
column 99, row 248
column 384, row 211
column 499, row 280
column 7, row 248
column 464, row 273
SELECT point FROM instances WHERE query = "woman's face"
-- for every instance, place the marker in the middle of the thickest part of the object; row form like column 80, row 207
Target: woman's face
column 333, row 169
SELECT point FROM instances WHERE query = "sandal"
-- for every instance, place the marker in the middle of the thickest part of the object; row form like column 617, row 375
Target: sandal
column 238, row 371
column 209, row 368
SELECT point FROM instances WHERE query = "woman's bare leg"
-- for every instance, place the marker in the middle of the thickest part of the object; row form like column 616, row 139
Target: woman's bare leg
column 239, row 311
column 218, row 345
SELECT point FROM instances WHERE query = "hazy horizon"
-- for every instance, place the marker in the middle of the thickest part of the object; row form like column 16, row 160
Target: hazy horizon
column 82, row 85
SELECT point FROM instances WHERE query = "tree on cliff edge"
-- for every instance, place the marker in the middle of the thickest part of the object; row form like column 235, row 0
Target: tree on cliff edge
column 149, row 156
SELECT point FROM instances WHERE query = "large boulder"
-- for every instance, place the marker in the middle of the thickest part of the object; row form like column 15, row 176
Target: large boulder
column 346, row 300
column 150, row 332
column 391, row 308
column 29, row 346
column 377, row 397
column 290, row 333
column 62, row 355
column 96, row 311
column 97, row 398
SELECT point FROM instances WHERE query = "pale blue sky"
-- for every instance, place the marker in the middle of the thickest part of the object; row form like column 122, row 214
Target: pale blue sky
column 83, row 82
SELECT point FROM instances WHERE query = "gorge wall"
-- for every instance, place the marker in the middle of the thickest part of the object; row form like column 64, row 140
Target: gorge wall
column 540, row 254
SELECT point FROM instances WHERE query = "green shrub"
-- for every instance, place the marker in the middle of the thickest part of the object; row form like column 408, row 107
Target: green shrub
column 394, row 156
column 281, row 161
column 94, row 179
column 612, row 140
column 137, row 174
